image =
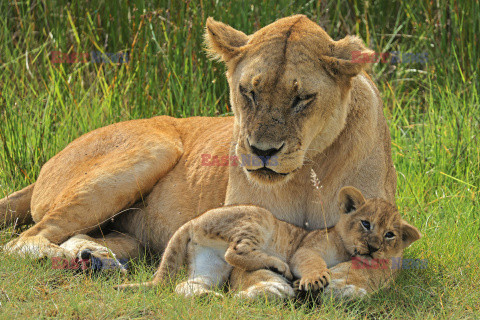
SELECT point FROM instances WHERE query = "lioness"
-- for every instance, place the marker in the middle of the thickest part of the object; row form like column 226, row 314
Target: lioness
column 251, row 238
column 295, row 94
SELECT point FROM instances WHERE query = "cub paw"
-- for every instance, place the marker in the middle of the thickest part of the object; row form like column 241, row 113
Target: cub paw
column 313, row 282
column 282, row 268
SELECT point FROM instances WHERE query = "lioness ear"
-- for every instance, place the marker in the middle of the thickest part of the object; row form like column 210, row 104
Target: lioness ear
column 223, row 42
column 410, row 234
column 350, row 199
column 348, row 57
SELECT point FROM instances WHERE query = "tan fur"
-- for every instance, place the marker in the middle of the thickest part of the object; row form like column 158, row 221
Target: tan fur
column 310, row 101
column 15, row 208
column 251, row 238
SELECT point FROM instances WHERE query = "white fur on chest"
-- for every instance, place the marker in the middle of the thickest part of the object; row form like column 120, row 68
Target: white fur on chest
column 304, row 210
column 298, row 202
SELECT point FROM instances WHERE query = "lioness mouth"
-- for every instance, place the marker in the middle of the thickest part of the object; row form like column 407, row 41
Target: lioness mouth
column 266, row 170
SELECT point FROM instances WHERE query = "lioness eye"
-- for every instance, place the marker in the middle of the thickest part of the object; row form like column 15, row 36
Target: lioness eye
column 389, row 235
column 254, row 97
column 248, row 95
column 366, row 224
column 301, row 102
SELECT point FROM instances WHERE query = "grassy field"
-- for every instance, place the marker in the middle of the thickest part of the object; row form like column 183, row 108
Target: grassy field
column 432, row 108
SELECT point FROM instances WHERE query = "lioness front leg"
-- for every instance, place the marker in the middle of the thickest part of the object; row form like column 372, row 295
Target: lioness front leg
column 349, row 282
column 260, row 284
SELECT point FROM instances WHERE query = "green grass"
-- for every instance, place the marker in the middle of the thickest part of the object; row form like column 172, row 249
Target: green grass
column 433, row 111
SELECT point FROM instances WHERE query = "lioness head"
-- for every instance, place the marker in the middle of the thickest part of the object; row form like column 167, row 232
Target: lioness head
column 372, row 228
column 289, row 90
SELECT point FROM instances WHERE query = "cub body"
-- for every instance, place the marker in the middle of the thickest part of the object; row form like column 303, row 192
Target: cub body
column 251, row 238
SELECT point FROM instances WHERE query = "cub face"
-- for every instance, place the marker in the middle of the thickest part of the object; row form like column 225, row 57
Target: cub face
column 289, row 90
column 372, row 228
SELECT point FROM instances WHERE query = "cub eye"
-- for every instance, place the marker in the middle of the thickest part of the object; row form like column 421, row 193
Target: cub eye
column 248, row 95
column 301, row 102
column 365, row 224
column 389, row 235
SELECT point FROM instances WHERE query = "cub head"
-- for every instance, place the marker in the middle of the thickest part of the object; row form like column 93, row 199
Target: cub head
column 289, row 90
column 372, row 228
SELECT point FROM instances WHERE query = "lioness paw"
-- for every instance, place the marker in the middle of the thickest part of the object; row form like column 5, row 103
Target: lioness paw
column 339, row 290
column 190, row 289
column 95, row 255
column 313, row 282
column 36, row 247
column 270, row 289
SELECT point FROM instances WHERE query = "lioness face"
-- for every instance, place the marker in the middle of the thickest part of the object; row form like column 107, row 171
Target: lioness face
column 372, row 228
column 281, row 107
column 289, row 90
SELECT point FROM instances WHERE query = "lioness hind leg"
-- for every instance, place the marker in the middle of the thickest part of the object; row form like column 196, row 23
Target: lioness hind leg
column 94, row 178
column 15, row 208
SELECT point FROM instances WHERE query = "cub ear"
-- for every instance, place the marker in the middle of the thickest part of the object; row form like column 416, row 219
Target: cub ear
column 348, row 57
column 223, row 42
column 410, row 234
column 350, row 199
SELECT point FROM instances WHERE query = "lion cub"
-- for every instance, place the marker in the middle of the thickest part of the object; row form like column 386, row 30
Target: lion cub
column 251, row 238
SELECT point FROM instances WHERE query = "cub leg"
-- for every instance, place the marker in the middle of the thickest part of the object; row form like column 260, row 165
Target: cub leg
column 207, row 270
column 248, row 256
column 309, row 266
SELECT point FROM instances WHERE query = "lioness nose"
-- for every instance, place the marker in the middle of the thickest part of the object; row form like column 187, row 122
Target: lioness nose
column 265, row 152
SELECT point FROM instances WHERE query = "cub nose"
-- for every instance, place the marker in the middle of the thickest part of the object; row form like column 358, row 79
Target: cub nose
column 372, row 249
